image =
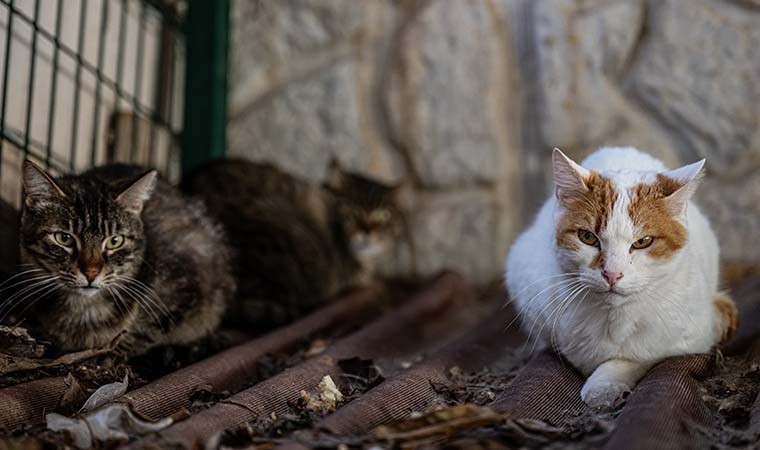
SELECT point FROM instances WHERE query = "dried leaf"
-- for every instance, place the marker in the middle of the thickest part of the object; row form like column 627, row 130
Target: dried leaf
column 17, row 341
column 105, row 394
column 12, row 363
column 74, row 396
column 113, row 423
column 445, row 421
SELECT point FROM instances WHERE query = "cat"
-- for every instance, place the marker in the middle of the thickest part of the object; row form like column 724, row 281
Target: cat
column 298, row 244
column 619, row 270
column 116, row 254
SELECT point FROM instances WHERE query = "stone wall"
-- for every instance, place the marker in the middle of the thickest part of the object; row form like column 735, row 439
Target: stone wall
column 467, row 97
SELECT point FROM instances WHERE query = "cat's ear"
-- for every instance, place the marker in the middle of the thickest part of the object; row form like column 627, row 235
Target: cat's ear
column 39, row 187
column 134, row 197
column 686, row 180
column 403, row 195
column 569, row 177
column 335, row 176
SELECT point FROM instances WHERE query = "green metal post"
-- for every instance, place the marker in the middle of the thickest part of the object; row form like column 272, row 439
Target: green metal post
column 206, row 37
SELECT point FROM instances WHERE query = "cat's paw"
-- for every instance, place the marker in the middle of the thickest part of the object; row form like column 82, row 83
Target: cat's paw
column 604, row 394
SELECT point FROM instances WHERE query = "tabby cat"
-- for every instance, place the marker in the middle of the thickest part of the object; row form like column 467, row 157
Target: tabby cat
column 297, row 243
column 117, row 251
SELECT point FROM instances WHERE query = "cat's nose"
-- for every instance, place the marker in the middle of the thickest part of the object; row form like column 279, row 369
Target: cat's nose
column 92, row 272
column 612, row 277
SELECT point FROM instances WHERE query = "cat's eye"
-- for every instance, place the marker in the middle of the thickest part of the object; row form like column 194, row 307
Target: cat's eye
column 114, row 242
column 63, row 238
column 588, row 238
column 642, row 243
column 380, row 216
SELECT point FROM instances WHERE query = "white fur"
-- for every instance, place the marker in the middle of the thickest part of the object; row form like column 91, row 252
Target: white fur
column 661, row 308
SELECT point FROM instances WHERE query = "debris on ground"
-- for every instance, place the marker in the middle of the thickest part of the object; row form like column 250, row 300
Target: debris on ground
column 325, row 399
column 11, row 363
column 115, row 422
column 105, row 394
column 16, row 341
column 441, row 423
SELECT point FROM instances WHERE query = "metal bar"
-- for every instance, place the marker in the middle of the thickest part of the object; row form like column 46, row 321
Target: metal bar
column 36, row 148
column 138, row 80
column 205, row 82
column 83, row 64
column 26, row 403
column 77, row 85
column 3, row 104
column 30, row 88
column 98, row 83
column 53, row 85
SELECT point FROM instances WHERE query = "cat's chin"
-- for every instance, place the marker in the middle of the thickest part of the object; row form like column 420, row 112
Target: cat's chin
column 87, row 292
column 615, row 298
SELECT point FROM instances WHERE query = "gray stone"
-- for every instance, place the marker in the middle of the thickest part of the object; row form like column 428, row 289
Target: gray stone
column 699, row 73
column 439, row 93
column 310, row 122
column 583, row 49
column 456, row 230
column 273, row 43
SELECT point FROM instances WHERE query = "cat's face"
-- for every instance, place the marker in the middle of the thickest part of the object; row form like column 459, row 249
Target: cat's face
column 79, row 235
column 620, row 231
column 371, row 212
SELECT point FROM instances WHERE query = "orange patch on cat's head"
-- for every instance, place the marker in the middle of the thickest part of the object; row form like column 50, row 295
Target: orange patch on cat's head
column 587, row 208
column 652, row 213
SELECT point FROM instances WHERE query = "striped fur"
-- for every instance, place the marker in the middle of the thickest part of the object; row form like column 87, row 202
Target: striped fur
column 167, row 283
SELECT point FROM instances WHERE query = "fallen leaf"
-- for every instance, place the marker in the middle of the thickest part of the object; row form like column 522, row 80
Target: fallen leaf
column 445, row 421
column 114, row 422
column 74, row 397
column 12, row 363
column 105, row 394
column 16, row 341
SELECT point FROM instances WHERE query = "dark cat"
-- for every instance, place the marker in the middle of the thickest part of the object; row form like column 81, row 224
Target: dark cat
column 118, row 250
column 297, row 243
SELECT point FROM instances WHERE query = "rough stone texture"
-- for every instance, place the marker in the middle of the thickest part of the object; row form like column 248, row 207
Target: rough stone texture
column 441, row 83
column 301, row 73
column 698, row 73
column 449, row 230
column 584, row 49
column 467, row 98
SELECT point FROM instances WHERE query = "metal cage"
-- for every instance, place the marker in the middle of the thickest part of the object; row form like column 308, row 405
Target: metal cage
column 87, row 82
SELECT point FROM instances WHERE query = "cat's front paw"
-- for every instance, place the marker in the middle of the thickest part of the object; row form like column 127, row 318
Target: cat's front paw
column 604, row 394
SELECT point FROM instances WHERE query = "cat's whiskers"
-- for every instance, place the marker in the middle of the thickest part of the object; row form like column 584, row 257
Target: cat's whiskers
column 557, row 305
column 8, row 305
column 553, row 298
column 530, row 300
column 139, row 300
column 22, row 280
column 561, row 312
column 549, row 277
column 150, row 295
column 51, row 289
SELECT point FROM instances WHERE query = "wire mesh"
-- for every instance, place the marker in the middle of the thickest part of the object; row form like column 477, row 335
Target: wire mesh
column 87, row 82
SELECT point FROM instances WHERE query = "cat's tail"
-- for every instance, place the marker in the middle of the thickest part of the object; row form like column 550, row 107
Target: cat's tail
column 727, row 317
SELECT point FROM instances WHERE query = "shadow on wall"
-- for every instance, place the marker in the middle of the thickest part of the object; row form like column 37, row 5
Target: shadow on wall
column 8, row 238
column 468, row 98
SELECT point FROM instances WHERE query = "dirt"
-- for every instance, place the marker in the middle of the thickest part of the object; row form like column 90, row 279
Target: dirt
column 730, row 395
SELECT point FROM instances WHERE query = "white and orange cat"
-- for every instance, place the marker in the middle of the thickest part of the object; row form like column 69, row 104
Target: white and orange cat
column 620, row 270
